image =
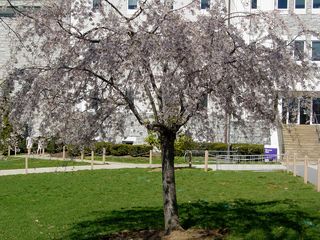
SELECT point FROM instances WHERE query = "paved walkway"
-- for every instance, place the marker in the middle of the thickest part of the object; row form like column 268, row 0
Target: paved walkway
column 116, row 165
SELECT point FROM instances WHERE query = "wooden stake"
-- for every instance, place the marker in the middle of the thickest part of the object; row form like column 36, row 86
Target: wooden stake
column 305, row 175
column 318, row 171
column 64, row 153
column 82, row 155
column 206, row 157
column 190, row 159
column 287, row 162
column 92, row 159
column 150, row 158
column 104, row 156
column 26, row 161
column 294, row 164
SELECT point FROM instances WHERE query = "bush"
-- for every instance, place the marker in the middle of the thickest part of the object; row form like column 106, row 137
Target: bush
column 212, row 146
column 139, row 150
column 100, row 145
column 183, row 143
column 53, row 146
column 120, row 149
column 248, row 149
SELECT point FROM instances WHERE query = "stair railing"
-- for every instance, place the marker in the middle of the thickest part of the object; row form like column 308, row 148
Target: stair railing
column 315, row 118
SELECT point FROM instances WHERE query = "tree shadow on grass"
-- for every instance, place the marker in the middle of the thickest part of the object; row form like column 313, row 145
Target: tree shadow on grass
column 241, row 219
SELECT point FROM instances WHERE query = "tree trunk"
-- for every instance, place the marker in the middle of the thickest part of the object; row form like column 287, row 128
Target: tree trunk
column 170, row 206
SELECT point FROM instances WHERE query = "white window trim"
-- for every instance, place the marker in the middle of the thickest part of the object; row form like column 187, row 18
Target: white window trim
column 300, row 10
column 315, row 10
column 314, row 40
column 305, row 49
column 282, row 10
column 132, row 10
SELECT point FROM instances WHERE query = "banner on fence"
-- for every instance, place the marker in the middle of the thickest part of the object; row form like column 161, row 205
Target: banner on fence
column 270, row 153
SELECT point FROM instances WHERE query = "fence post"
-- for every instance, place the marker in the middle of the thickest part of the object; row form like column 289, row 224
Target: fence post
column 287, row 162
column 150, row 158
column 190, row 159
column 206, row 156
column 64, row 153
column 82, row 155
column 26, row 161
column 103, row 155
column 15, row 150
column 318, row 171
column 294, row 164
column 43, row 151
column 92, row 159
column 305, row 175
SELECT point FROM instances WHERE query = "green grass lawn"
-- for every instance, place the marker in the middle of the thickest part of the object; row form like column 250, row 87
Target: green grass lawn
column 19, row 163
column 92, row 204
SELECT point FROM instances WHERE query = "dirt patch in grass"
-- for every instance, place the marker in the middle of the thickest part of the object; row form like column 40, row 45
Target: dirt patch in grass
column 191, row 234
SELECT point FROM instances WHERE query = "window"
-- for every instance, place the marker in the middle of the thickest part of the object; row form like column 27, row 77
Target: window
column 96, row 4
column 132, row 4
column 298, row 50
column 253, row 4
column 169, row 3
column 205, row 4
column 316, row 3
column 282, row 4
column 315, row 50
column 300, row 4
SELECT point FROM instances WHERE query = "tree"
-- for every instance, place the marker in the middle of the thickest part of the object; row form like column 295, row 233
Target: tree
column 86, row 70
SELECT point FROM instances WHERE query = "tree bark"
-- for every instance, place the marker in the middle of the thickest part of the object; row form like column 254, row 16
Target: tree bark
column 170, row 206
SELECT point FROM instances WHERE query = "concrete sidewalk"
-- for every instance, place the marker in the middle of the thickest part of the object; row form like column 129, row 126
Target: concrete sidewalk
column 116, row 165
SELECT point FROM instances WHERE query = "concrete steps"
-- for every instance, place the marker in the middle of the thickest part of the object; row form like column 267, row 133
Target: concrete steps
column 302, row 140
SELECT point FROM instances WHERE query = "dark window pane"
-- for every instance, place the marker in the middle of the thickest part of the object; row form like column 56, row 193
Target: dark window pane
column 132, row 4
column 205, row 4
column 316, row 3
column 96, row 4
column 316, row 50
column 254, row 4
column 300, row 4
column 282, row 4
column 298, row 50
column 316, row 110
column 169, row 3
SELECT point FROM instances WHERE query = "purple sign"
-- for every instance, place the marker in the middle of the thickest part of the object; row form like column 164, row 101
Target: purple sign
column 270, row 154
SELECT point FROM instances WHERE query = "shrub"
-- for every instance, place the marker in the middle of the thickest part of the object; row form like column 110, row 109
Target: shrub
column 120, row 149
column 100, row 145
column 183, row 143
column 212, row 146
column 139, row 150
column 53, row 146
column 152, row 139
column 248, row 149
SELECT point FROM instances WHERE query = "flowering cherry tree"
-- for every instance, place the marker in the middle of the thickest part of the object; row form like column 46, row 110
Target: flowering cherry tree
column 80, row 71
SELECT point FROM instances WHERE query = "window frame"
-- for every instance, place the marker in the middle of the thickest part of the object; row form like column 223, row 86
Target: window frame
column 295, row 5
column 313, row 58
column 132, row 9
column 254, row 7
column 317, row 8
column 278, row 1
column 208, row 5
column 301, row 56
